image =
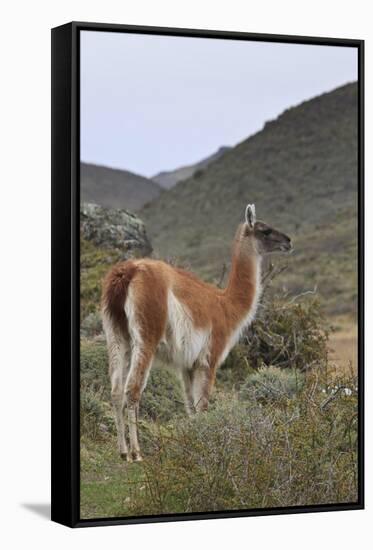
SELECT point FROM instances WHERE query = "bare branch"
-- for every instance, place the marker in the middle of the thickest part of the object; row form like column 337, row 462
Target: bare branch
column 295, row 298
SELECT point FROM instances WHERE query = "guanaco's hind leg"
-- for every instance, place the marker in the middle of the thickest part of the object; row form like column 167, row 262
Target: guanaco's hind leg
column 119, row 355
column 141, row 363
column 146, row 313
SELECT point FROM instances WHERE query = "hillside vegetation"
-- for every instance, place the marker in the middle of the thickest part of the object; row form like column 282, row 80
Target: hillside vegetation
column 113, row 188
column 281, row 429
column 301, row 172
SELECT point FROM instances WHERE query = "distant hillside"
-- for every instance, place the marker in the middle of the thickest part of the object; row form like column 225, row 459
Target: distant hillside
column 113, row 188
column 301, row 172
column 169, row 179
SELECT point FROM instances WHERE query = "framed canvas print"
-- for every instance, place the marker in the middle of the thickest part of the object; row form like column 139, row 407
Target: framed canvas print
column 207, row 276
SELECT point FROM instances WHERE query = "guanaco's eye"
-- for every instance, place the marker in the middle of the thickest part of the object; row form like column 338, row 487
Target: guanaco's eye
column 267, row 231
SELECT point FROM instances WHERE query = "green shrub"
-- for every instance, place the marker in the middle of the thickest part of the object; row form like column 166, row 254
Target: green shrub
column 272, row 383
column 288, row 333
column 95, row 411
column 235, row 369
column 251, row 454
column 91, row 325
column 94, row 264
column 96, row 417
column 94, row 367
column 162, row 397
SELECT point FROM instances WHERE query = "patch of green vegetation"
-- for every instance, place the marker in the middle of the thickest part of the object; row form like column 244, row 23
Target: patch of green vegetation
column 96, row 417
column 235, row 369
column 281, row 429
column 163, row 396
column 107, row 483
column 94, row 264
column 296, row 449
column 272, row 384
column 288, row 333
column 94, row 368
column 290, row 451
column 326, row 259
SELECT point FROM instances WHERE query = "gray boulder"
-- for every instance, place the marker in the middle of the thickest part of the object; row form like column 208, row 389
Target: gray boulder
column 112, row 228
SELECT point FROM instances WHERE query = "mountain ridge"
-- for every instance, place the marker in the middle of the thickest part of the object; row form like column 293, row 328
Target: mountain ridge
column 115, row 188
column 301, row 172
column 169, row 178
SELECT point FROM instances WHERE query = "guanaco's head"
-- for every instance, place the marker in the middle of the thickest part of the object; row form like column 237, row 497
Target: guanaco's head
column 266, row 238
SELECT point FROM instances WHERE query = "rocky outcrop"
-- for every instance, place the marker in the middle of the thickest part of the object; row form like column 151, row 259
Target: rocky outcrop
column 112, row 228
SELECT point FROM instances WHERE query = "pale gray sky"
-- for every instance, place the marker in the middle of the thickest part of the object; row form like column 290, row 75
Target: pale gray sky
column 153, row 103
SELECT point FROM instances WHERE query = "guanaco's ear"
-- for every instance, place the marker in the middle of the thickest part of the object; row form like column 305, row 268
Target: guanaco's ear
column 250, row 215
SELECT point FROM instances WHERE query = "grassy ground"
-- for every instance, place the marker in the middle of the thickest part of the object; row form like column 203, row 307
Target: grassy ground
column 253, row 449
column 106, row 481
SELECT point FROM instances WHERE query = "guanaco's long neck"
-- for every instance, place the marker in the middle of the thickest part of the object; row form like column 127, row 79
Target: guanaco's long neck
column 243, row 288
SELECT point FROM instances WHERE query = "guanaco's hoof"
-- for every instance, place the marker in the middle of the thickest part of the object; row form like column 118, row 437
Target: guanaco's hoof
column 132, row 457
column 136, row 457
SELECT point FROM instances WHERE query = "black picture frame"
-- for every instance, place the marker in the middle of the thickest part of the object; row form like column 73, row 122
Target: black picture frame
column 65, row 271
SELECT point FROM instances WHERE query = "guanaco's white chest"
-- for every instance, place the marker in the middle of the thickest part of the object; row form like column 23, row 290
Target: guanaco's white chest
column 183, row 345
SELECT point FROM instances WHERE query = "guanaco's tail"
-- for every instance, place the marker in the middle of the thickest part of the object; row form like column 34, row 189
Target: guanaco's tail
column 115, row 290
